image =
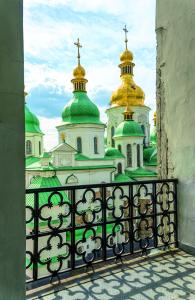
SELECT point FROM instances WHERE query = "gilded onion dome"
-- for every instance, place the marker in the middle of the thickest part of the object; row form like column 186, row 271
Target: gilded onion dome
column 128, row 93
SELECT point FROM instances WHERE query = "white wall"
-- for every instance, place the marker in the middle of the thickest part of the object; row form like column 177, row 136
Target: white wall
column 175, row 27
column 133, row 141
column 35, row 138
column 87, row 132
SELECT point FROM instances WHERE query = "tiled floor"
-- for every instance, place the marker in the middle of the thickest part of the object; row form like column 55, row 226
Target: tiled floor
column 171, row 276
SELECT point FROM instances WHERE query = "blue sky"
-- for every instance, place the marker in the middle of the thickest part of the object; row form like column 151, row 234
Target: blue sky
column 50, row 29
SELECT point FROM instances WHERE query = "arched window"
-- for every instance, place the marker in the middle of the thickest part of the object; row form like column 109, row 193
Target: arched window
column 79, row 145
column 120, row 168
column 39, row 148
column 129, row 155
column 112, row 134
column 28, row 147
column 95, row 145
column 138, row 155
column 71, row 179
column 143, row 129
column 119, row 148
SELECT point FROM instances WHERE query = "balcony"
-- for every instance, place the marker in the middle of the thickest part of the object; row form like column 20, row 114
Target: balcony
column 104, row 241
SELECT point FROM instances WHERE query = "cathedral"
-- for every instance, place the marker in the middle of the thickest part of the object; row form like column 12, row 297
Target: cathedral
column 90, row 151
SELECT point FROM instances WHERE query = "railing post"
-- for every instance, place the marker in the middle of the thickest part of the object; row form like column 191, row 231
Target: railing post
column 175, row 214
column 154, row 215
column 36, row 233
column 104, row 219
column 73, row 231
column 131, row 214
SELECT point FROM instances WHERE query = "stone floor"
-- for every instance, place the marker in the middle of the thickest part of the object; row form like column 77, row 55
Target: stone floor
column 158, row 277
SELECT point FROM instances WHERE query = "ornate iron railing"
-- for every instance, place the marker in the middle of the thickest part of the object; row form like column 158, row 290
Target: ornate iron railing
column 74, row 226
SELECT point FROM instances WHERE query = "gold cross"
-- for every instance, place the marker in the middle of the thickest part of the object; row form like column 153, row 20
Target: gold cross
column 125, row 31
column 78, row 46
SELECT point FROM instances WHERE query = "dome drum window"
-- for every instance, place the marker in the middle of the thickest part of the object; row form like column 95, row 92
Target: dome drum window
column 28, row 147
column 129, row 155
column 138, row 156
column 112, row 135
column 95, row 141
column 79, row 145
column 120, row 168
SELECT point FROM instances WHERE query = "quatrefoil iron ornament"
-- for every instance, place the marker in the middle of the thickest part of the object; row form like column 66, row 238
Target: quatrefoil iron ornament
column 117, row 203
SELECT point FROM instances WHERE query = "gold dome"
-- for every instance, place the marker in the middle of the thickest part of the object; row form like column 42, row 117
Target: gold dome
column 126, row 56
column 79, row 72
column 128, row 93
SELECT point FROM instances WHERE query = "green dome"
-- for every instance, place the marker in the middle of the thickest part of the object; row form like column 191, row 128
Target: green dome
column 150, row 156
column 113, row 152
column 81, row 110
column 31, row 122
column 153, row 137
column 129, row 128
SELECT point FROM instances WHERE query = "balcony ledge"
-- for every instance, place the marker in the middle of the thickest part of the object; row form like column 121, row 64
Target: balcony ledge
column 164, row 275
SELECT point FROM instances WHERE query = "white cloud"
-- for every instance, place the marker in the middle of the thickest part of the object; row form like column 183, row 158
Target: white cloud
column 48, row 126
column 50, row 55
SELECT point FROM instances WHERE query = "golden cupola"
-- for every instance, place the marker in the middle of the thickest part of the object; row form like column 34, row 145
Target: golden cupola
column 128, row 92
column 79, row 81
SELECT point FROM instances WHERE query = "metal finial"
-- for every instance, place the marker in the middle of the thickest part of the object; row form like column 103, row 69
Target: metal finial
column 125, row 31
column 78, row 47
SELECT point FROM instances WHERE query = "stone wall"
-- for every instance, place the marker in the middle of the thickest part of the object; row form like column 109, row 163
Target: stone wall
column 175, row 30
column 12, row 185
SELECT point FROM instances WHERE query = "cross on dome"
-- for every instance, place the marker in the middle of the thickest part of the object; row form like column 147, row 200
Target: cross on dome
column 125, row 31
column 78, row 47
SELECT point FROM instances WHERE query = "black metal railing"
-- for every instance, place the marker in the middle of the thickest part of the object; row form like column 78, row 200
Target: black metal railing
column 74, row 226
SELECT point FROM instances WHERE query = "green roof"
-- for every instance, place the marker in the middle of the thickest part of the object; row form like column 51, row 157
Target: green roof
column 122, row 178
column 113, row 153
column 46, row 155
column 31, row 122
column 140, row 172
column 129, row 128
column 80, row 156
column 31, row 160
column 153, row 136
column 38, row 167
column 150, row 156
column 40, row 182
column 81, row 110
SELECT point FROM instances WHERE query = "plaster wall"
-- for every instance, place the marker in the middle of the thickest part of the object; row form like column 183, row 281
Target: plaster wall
column 175, row 29
column 12, row 152
column 86, row 176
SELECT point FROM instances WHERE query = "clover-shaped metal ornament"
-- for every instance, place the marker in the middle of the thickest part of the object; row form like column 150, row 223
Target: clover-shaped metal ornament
column 117, row 203
column 89, row 206
column 89, row 245
column 54, row 254
column 57, row 215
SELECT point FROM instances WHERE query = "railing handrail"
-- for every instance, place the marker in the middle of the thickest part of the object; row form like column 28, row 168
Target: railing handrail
column 98, row 185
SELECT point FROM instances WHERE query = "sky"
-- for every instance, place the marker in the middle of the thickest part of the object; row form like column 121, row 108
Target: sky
column 50, row 29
